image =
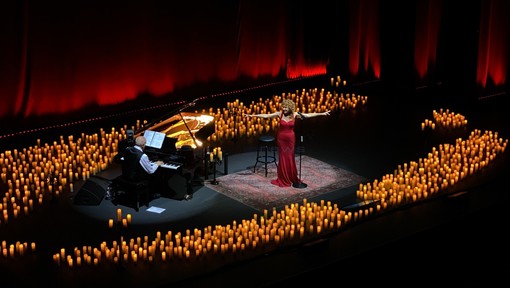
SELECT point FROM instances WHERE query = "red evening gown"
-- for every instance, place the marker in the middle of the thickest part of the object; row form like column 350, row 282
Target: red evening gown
column 286, row 141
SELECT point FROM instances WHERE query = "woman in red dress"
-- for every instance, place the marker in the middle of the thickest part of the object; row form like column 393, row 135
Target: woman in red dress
column 286, row 141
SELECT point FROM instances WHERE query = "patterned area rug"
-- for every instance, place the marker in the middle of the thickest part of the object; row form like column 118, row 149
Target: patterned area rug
column 255, row 190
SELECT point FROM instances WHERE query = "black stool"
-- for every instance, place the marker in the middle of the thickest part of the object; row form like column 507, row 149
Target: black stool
column 137, row 190
column 266, row 143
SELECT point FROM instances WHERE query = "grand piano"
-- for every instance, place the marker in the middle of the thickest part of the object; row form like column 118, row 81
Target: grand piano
column 180, row 147
column 187, row 128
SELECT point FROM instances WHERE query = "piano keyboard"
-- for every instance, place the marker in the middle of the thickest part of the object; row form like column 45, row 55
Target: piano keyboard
column 171, row 165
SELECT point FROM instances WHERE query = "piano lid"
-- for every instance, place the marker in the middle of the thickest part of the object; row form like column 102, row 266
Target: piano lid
column 201, row 125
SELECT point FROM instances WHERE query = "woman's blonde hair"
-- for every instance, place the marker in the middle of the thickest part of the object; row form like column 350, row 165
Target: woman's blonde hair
column 288, row 103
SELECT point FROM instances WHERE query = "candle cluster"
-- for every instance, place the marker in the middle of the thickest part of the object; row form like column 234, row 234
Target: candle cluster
column 216, row 154
column 446, row 119
column 337, row 81
column 120, row 220
column 260, row 234
column 442, row 169
column 14, row 249
column 230, row 123
column 44, row 171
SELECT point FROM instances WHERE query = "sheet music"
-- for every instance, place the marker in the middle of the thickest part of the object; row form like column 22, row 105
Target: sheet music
column 154, row 139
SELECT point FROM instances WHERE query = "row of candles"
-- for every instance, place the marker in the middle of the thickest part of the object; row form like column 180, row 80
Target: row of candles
column 17, row 249
column 293, row 223
column 444, row 118
column 443, row 168
column 229, row 125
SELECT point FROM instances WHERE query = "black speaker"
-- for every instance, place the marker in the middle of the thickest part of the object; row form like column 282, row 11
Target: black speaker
column 92, row 192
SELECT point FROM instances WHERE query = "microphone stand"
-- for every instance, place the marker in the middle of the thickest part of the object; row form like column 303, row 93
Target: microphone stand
column 178, row 110
column 301, row 150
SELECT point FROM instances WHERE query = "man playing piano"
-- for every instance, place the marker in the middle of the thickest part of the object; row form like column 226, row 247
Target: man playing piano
column 137, row 166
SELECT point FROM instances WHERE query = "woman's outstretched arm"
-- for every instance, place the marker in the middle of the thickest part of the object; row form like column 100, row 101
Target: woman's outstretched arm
column 315, row 114
column 266, row 115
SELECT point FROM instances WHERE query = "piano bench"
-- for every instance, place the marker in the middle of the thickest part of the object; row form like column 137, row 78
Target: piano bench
column 135, row 190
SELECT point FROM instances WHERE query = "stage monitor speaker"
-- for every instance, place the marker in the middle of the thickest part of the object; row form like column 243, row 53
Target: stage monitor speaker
column 91, row 193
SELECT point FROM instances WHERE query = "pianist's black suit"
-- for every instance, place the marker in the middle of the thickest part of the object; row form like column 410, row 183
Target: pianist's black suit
column 134, row 178
column 131, row 168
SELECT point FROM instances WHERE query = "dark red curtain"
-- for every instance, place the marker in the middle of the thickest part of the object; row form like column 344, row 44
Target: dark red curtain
column 60, row 56
column 494, row 44
column 65, row 55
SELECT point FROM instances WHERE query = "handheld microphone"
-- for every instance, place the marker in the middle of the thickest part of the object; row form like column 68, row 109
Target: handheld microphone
column 301, row 114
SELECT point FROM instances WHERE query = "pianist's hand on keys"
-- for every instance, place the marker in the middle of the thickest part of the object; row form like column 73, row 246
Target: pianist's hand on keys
column 168, row 165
